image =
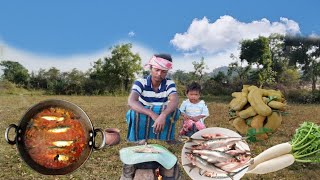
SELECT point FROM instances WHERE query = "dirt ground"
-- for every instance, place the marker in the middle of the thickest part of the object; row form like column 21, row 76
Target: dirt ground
column 106, row 112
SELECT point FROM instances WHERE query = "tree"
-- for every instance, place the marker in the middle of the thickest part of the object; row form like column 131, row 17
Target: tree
column 220, row 78
column 267, row 76
column 38, row 80
column 119, row 70
column 54, row 81
column 279, row 62
column 199, row 68
column 96, row 83
column 290, row 77
column 15, row 73
column 257, row 52
column 238, row 68
column 217, row 85
column 182, row 77
column 74, row 81
column 314, row 65
column 304, row 53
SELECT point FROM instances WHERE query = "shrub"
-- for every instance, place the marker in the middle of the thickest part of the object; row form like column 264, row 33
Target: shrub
column 303, row 96
column 211, row 87
column 7, row 87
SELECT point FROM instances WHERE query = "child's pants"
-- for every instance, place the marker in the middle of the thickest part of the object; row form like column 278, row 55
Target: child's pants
column 188, row 124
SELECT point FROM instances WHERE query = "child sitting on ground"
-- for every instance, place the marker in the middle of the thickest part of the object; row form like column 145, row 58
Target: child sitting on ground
column 193, row 110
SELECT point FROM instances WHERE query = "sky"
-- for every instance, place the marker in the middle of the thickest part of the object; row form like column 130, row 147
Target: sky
column 76, row 33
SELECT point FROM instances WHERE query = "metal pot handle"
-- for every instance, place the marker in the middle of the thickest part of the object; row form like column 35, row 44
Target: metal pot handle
column 103, row 143
column 7, row 134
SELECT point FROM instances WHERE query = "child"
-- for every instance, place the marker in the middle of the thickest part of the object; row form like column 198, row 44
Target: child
column 193, row 110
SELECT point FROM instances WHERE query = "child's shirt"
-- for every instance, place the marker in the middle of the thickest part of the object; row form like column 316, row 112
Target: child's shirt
column 197, row 109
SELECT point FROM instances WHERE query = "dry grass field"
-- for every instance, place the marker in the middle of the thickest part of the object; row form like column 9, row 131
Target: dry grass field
column 106, row 112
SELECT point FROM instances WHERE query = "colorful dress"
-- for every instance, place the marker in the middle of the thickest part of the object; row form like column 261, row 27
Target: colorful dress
column 191, row 109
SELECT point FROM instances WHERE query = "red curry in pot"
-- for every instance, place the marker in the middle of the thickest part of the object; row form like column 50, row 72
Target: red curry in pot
column 55, row 138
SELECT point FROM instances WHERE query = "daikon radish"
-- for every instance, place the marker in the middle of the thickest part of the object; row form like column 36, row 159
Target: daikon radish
column 304, row 147
column 273, row 165
column 272, row 152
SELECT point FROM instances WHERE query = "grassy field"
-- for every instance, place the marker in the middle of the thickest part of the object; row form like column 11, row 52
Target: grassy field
column 106, row 112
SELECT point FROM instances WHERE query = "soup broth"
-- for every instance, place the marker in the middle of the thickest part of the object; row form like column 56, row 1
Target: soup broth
column 55, row 138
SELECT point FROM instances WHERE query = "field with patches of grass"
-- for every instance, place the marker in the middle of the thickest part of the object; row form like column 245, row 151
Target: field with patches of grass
column 106, row 112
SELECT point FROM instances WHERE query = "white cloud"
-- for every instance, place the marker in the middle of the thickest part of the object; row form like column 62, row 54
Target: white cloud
column 314, row 35
column 33, row 62
column 184, row 62
column 203, row 37
column 213, row 41
column 131, row 34
column 217, row 40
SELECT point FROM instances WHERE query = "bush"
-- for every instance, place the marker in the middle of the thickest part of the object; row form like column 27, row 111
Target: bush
column 218, row 89
column 303, row 96
column 7, row 87
column 181, row 89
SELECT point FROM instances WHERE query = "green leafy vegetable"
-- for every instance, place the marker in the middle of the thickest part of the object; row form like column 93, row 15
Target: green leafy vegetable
column 232, row 114
column 306, row 143
column 249, row 120
column 252, row 132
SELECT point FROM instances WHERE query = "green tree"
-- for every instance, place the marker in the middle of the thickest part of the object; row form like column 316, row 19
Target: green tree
column 96, row 83
column 182, row 77
column 304, row 53
column 241, row 71
column 290, row 77
column 279, row 62
column 313, row 70
column 220, row 78
column 118, row 71
column 38, row 79
column 54, row 82
column 199, row 68
column 75, row 81
column 267, row 76
column 257, row 52
column 15, row 73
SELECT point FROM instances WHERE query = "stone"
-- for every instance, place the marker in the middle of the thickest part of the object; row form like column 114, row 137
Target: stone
column 173, row 173
column 144, row 174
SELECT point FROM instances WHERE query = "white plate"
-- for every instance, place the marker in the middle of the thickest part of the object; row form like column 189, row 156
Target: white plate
column 194, row 174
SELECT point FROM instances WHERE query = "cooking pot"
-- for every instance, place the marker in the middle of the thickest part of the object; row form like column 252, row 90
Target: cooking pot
column 112, row 136
column 24, row 130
